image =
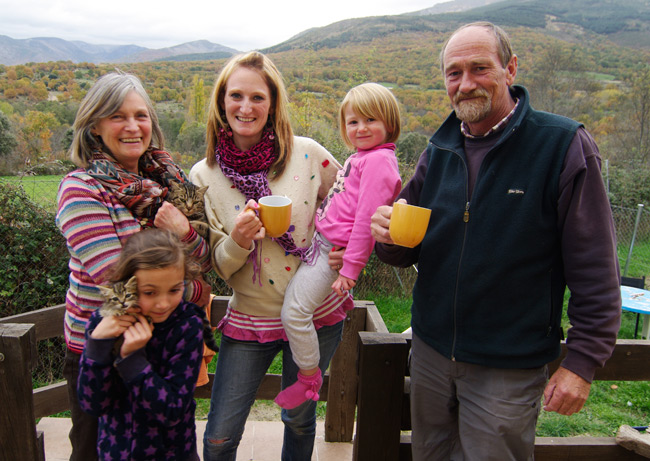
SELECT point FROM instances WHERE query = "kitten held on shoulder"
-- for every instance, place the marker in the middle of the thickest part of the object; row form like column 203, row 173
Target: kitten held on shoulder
column 119, row 297
column 122, row 295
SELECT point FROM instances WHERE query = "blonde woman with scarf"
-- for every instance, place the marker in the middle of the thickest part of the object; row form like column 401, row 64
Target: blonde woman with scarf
column 251, row 153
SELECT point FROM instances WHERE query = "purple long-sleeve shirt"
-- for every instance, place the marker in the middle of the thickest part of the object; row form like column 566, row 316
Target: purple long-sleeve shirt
column 145, row 401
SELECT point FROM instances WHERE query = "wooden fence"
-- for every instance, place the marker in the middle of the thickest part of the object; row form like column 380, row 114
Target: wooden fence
column 22, row 405
column 383, row 413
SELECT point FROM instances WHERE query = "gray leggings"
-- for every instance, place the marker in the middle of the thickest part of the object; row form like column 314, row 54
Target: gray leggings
column 306, row 291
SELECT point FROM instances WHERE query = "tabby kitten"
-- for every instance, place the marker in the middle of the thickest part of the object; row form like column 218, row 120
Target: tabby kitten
column 188, row 198
column 119, row 296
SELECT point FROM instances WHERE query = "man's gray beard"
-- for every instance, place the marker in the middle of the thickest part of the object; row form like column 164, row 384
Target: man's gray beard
column 473, row 111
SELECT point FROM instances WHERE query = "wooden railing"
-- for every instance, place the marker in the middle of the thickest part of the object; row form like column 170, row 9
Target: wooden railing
column 368, row 374
column 383, row 411
column 21, row 405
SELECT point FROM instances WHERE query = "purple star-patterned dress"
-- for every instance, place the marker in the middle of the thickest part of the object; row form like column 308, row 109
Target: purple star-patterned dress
column 145, row 402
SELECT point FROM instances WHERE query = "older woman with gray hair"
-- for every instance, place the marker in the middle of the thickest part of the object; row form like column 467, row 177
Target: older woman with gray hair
column 118, row 189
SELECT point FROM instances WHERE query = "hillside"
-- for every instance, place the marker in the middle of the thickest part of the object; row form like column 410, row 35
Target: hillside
column 454, row 6
column 570, row 69
column 625, row 22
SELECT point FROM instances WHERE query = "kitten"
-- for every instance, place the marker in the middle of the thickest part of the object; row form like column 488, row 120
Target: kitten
column 188, row 198
column 119, row 296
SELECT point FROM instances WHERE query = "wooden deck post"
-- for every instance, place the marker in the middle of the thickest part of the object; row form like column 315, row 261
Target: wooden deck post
column 18, row 439
column 382, row 365
column 343, row 382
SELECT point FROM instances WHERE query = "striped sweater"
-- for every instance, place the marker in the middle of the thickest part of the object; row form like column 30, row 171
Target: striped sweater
column 95, row 225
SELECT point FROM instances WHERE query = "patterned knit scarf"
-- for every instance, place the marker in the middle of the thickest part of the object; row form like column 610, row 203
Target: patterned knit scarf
column 248, row 171
column 141, row 194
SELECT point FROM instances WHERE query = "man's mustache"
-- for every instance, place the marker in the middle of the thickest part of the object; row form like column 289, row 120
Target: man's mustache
column 478, row 93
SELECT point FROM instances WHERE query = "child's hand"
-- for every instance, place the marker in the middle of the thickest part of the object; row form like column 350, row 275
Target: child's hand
column 136, row 336
column 113, row 326
column 342, row 284
column 335, row 258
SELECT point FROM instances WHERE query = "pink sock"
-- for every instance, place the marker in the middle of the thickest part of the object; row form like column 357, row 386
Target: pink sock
column 305, row 388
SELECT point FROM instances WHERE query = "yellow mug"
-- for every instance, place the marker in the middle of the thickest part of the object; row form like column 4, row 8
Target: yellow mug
column 275, row 214
column 408, row 224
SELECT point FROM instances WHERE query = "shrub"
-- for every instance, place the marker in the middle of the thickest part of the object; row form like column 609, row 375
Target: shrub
column 34, row 264
column 57, row 167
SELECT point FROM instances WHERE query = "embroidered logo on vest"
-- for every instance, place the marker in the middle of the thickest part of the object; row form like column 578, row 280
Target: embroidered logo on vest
column 516, row 191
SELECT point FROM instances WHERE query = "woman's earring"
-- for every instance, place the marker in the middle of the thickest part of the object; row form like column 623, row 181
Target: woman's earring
column 226, row 131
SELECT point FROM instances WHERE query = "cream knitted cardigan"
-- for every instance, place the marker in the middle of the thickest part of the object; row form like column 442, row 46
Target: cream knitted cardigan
column 309, row 174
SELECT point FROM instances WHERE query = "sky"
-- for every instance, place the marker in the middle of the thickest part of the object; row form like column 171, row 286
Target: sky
column 242, row 25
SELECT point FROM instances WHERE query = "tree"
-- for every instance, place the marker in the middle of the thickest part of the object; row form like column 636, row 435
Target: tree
column 556, row 76
column 196, row 110
column 640, row 119
column 7, row 138
column 191, row 139
column 35, row 133
column 410, row 146
column 632, row 123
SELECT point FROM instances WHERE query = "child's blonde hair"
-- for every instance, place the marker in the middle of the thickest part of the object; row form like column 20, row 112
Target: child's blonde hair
column 372, row 100
column 153, row 249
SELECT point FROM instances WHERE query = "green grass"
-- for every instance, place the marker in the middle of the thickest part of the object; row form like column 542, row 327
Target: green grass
column 639, row 261
column 41, row 189
column 395, row 311
column 610, row 403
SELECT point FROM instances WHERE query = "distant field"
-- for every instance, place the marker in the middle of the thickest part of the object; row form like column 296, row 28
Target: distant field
column 41, row 189
column 601, row 77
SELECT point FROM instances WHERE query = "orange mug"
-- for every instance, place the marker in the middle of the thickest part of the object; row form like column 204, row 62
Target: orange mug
column 408, row 224
column 275, row 214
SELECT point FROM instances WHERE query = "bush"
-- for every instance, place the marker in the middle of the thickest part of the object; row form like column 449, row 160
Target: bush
column 629, row 185
column 57, row 167
column 34, row 265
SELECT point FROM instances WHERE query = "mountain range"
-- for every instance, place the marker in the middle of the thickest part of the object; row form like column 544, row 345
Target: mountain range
column 44, row 49
column 625, row 22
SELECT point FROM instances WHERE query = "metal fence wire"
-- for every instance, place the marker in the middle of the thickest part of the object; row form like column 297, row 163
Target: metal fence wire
column 34, row 271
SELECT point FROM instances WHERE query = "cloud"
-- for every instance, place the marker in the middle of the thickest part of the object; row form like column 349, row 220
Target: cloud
column 244, row 26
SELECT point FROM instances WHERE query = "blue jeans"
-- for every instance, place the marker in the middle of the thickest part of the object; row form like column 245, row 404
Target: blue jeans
column 241, row 366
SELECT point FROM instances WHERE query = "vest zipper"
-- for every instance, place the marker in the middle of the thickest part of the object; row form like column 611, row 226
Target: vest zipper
column 465, row 220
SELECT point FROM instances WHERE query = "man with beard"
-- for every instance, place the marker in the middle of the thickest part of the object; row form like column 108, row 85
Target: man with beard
column 519, row 212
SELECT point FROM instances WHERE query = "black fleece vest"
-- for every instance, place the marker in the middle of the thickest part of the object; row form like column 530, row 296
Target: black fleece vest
column 491, row 281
